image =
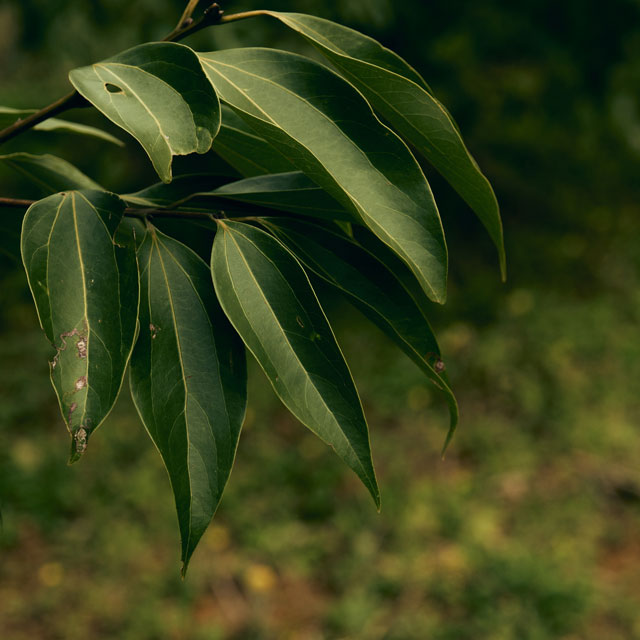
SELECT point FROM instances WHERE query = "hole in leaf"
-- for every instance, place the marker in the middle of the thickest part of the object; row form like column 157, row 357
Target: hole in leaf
column 113, row 88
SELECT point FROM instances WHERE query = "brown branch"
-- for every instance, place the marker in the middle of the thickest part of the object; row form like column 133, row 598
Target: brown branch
column 70, row 101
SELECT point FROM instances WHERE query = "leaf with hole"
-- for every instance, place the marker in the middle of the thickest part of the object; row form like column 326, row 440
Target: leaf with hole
column 85, row 286
column 159, row 94
column 401, row 96
column 328, row 131
column 188, row 379
column 268, row 298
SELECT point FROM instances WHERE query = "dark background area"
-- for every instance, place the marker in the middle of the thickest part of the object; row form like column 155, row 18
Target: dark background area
column 529, row 529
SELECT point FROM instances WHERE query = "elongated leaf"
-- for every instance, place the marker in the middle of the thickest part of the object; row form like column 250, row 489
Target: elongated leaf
column 326, row 129
column 161, row 194
column 245, row 150
column 268, row 298
column 8, row 116
column 372, row 288
column 85, row 287
column 291, row 191
column 398, row 92
column 50, row 173
column 159, row 94
column 188, row 380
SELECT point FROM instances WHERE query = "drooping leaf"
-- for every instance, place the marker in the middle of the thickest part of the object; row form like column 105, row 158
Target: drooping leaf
column 291, row 191
column 268, row 298
column 159, row 94
column 328, row 131
column 188, row 380
column 8, row 116
column 50, row 173
column 245, row 150
column 85, row 286
column 399, row 93
column 372, row 288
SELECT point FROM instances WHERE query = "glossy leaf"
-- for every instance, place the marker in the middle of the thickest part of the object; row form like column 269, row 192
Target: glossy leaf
column 8, row 116
column 50, row 173
column 85, row 286
column 268, row 298
column 188, row 380
column 398, row 92
column 291, row 191
column 245, row 150
column 159, row 94
column 372, row 288
column 328, row 131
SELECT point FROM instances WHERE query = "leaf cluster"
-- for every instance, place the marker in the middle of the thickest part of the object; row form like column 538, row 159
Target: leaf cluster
column 178, row 280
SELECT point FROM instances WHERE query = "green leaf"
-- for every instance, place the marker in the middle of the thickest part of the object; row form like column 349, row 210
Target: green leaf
column 371, row 288
column 50, row 173
column 328, row 131
column 85, row 287
column 188, row 380
column 8, row 116
column 269, row 300
column 245, row 150
column 159, row 94
column 179, row 189
column 291, row 191
column 399, row 93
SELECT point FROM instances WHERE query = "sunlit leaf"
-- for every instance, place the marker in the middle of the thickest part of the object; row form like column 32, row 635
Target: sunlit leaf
column 50, row 173
column 159, row 94
column 85, row 286
column 188, row 379
column 268, row 298
column 372, row 288
column 8, row 116
column 327, row 130
column 398, row 92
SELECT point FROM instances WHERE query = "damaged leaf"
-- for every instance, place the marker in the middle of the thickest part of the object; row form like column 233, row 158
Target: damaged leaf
column 85, row 287
column 160, row 95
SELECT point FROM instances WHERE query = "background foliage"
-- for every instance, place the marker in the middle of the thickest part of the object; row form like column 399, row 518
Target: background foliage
column 529, row 528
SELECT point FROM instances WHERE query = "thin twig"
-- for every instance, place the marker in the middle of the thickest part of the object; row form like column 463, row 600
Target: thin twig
column 185, row 18
column 70, row 101
column 212, row 15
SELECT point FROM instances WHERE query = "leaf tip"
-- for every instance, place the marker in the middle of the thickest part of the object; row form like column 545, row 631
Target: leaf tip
column 78, row 444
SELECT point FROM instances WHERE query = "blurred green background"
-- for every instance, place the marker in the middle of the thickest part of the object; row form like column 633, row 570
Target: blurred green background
column 529, row 529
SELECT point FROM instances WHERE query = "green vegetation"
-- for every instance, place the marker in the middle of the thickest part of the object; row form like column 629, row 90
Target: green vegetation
column 529, row 527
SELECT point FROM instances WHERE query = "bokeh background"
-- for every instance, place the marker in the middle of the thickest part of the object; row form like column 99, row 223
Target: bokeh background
column 529, row 529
